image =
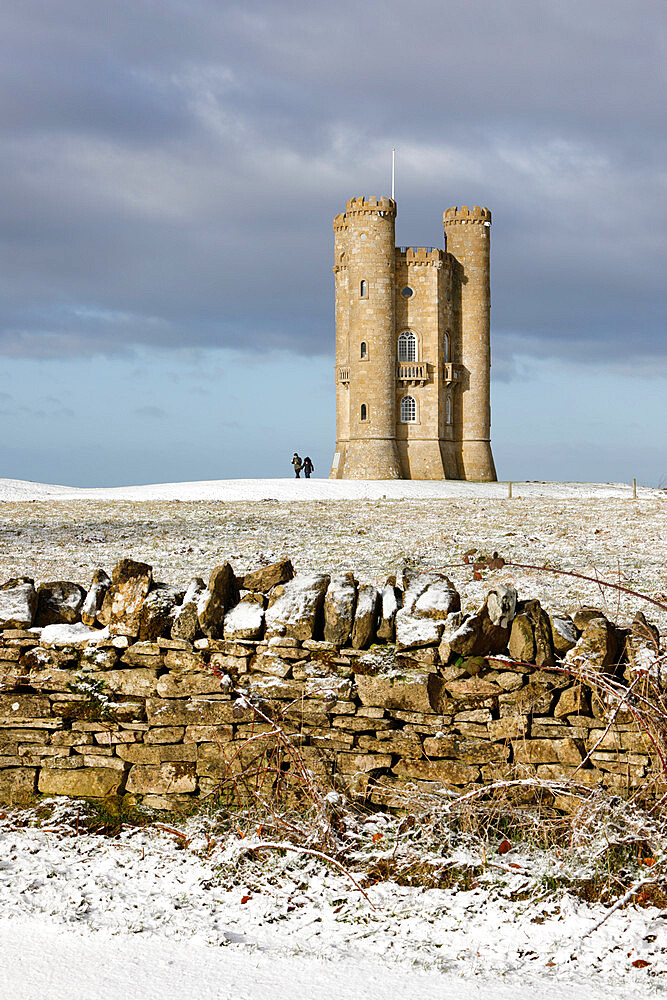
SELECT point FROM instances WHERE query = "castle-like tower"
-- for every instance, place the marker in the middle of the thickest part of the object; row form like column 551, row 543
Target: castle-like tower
column 412, row 348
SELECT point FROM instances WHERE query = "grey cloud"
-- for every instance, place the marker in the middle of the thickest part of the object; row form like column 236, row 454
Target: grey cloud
column 169, row 177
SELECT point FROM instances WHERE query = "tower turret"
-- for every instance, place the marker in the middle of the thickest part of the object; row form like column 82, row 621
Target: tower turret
column 367, row 336
column 467, row 232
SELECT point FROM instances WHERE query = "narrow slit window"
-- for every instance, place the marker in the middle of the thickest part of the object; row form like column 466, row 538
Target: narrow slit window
column 363, row 289
column 447, row 348
column 408, row 410
column 363, row 352
column 448, row 410
column 364, row 412
column 407, row 347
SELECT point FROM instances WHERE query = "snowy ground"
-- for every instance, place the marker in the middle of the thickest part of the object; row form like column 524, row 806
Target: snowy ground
column 592, row 528
column 140, row 916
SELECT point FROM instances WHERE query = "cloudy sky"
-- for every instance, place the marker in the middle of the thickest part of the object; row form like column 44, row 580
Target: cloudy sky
column 170, row 173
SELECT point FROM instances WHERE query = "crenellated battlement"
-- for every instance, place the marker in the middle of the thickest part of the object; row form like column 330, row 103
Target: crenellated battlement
column 372, row 205
column 340, row 222
column 421, row 256
column 466, row 215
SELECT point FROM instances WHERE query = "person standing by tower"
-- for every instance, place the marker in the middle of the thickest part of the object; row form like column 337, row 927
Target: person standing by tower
column 298, row 465
column 308, row 467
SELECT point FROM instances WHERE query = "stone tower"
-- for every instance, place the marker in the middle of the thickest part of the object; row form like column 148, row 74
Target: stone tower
column 412, row 348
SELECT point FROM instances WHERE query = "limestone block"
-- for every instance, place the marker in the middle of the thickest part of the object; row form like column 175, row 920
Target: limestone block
column 169, row 778
column 389, row 605
column 473, row 688
column 544, row 649
column 439, row 599
column 269, row 664
column 183, row 659
column 17, row 785
column 18, row 603
column 328, row 688
column 533, row 698
column 85, row 782
column 156, row 612
column 157, row 753
column 476, row 636
column 642, row 649
column 564, row 633
column 245, row 621
column 508, row 727
column 596, row 647
column 351, row 763
column 267, row 577
column 392, row 742
column 24, row 706
column 51, row 680
column 94, row 600
column 206, row 734
column 172, row 712
column 221, row 594
column 339, row 605
column 522, row 641
column 501, row 605
column 182, row 685
column 121, row 608
column 447, row 772
column 470, row 751
column 297, row 612
column 137, row 683
column 546, row 751
column 185, row 617
column 142, row 654
column 92, row 658
column 411, row 692
column 59, row 603
column 365, row 617
column 574, row 700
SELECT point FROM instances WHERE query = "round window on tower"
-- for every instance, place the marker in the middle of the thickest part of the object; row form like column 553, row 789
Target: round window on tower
column 407, row 292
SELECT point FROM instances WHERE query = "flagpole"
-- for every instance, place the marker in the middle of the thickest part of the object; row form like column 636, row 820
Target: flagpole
column 393, row 168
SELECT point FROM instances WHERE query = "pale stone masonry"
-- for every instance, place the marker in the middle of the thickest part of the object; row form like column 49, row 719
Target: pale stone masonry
column 412, row 348
column 384, row 693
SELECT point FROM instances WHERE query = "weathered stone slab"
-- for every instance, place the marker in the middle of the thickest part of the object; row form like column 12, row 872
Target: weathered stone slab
column 156, row 613
column 447, row 772
column 267, row 577
column 172, row 712
column 86, row 782
column 220, row 596
column 18, row 603
column 59, row 603
column 244, row 621
column 339, row 605
column 365, row 617
column 182, row 685
column 24, row 706
column 157, row 753
column 121, row 608
column 298, row 612
column 389, row 604
column 165, row 779
column 415, row 692
column 17, row 785
column 92, row 605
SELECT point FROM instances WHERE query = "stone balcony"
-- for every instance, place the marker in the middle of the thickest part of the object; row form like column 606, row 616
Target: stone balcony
column 452, row 372
column 413, row 372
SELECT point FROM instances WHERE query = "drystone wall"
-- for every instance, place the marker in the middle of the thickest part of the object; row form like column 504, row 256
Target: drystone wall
column 240, row 687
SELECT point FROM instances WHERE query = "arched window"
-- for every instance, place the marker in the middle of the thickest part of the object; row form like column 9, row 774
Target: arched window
column 407, row 347
column 447, row 348
column 364, row 412
column 363, row 352
column 408, row 410
column 448, row 410
column 363, row 289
